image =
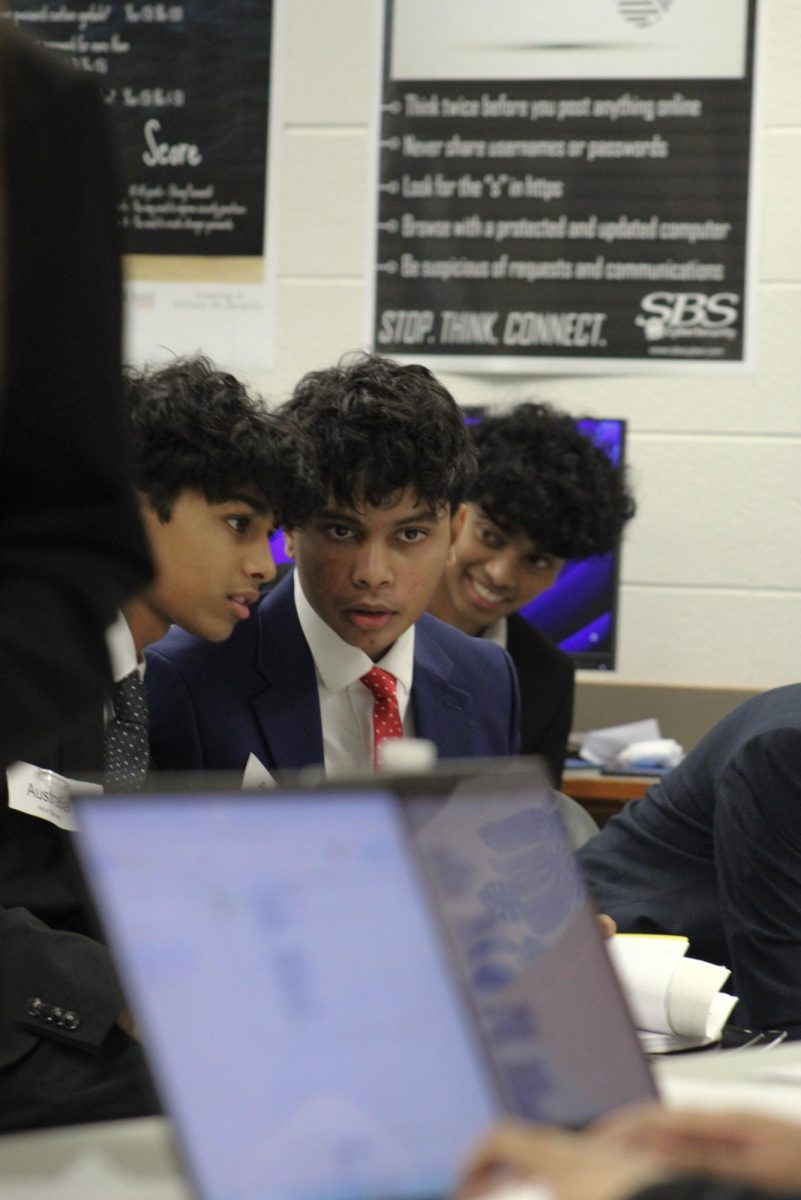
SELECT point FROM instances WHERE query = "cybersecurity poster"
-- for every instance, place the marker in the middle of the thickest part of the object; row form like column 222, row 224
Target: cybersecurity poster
column 187, row 90
column 565, row 187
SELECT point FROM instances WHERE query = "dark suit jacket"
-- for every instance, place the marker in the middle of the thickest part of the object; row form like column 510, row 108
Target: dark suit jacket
column 546, row 676
column 713, row 851
column 49, row 935
column 71, row 550
column 212, row 705
column 71, row 545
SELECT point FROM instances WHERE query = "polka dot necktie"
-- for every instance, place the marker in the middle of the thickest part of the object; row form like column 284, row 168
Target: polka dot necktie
column 386, row 714
column 126, row 750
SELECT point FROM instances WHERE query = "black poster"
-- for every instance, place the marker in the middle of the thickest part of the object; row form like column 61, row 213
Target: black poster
column 565, row 183
column 187, row 86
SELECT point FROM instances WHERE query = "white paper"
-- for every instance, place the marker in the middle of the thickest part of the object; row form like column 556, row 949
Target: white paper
column 692, row 993
column 719, row 1013
column 539, row 39
column 645, row 966
column 602, row 746
column 256, row 776
column 669, row 993
column 656, row 752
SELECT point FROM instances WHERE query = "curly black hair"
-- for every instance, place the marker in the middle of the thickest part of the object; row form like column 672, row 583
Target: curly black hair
column 379, row 427
column 538, row 474
column 194, row 426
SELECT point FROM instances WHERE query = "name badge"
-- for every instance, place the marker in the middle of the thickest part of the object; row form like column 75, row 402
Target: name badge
column 45, row 794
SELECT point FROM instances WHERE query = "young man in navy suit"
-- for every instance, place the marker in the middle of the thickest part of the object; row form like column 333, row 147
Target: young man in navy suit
column 213, row 472
column 293, row 686
column 543, row 493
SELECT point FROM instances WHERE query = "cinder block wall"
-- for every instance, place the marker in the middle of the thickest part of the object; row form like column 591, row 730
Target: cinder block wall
column 711, row 589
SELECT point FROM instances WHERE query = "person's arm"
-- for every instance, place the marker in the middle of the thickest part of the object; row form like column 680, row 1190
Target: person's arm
column 757, row 848
column 571, row 1166
column 762, row 1151
column 646, row 1153
column 54, row 984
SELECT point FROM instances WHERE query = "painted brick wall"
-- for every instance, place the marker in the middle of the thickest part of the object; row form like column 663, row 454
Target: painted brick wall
column 711, row 590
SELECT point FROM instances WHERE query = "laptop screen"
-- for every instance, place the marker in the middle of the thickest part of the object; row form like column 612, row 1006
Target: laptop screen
column 300, row 1014
column 525, row 939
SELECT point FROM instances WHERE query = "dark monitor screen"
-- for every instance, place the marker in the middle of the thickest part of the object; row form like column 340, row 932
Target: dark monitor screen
column 579, row 613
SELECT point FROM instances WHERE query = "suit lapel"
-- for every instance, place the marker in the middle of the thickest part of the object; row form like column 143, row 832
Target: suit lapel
column 287, row 710
column 442, row 712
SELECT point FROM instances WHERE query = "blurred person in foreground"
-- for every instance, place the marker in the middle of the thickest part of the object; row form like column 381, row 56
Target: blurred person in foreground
column 643, row 1153
column 71, row 544
column 72, row 547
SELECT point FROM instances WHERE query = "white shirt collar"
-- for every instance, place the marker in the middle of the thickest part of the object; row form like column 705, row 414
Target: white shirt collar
column 338, row 665
column 497, row 633
column 121, row 649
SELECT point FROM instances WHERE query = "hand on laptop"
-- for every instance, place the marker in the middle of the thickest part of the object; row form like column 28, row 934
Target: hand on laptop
column 761, row 1150
column 634, row 1148
column 572, row 1166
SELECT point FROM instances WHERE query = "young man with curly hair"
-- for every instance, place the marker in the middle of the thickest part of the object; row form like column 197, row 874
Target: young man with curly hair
column 213, row 473
column 216, row 474
column 543, row 493
column 293, row 686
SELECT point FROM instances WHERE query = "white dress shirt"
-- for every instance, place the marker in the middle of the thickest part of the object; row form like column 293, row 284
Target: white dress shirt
column 122, row 655
column 346, row 706
column 497, row 632
column 121, row 649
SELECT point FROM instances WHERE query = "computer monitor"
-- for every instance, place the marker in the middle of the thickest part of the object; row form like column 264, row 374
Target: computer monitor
column 579, row 613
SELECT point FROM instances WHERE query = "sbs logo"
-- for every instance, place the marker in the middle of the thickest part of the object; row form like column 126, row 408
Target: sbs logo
column 688, row 314
column 643, row 13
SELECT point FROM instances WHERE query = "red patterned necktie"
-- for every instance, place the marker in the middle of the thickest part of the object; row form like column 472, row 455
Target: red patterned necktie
column 386, row 714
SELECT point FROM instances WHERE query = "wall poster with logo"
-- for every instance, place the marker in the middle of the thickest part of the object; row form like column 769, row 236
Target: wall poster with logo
column 565, row 187
column 188, row 94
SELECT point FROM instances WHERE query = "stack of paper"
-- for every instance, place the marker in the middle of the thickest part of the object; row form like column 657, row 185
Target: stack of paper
column 640, row 743
column 668, row 993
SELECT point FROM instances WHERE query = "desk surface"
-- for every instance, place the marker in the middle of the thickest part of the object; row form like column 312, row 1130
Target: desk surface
column 591, row 784
column 757, row 1080
column 604, row 795
column 136, row 1160
column 115, row 1160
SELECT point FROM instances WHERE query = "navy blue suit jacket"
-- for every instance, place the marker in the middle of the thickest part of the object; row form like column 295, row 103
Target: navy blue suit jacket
column 713, row 851
column 213, row 704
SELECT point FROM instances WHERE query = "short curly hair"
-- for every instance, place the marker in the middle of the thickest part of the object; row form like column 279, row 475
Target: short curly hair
column 538, row 474
column 378, row 427
column 194, row 426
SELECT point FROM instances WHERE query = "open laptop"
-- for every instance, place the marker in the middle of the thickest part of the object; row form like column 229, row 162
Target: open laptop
column 298, row 962
column 491, row 841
